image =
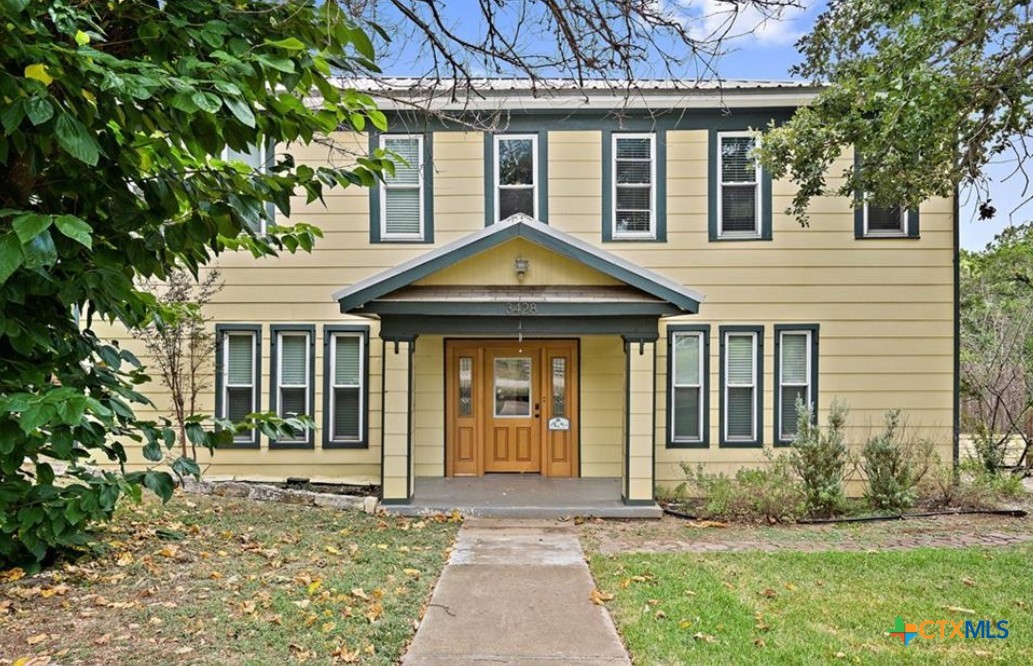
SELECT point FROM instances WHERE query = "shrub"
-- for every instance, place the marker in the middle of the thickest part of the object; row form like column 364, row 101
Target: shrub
column 893, row 466
column 971, row 486
column 819, row 458
column 769, row 494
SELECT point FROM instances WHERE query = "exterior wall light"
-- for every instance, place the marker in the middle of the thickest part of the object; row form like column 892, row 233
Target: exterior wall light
column 520, row 265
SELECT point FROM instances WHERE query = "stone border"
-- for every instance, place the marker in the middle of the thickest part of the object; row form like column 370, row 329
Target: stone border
column 266, row 493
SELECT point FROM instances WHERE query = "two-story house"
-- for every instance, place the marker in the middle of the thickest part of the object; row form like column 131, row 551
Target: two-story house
column 607, row 285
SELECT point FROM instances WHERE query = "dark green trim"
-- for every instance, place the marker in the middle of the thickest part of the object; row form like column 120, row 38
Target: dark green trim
column 913, row 217
column 274, row 389
column 375, row 222
column 360, row 298
column 629, row 120
column 660, row 170
column 777, row 400
column 956, row 448
column 220, row 329
column 714, row 198
column 363, row 441
column 403, row 327
column 499, row 309
column 394, row 502
column 704, row 442
column 541, row 183
column 630, row 502
column 758, row 388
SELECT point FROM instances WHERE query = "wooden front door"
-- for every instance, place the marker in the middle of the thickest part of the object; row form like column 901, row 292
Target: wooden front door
column 511, row 407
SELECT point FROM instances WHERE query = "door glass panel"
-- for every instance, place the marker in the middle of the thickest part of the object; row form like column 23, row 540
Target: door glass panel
column 465, row 386
column 559, row 387
column 512, row 379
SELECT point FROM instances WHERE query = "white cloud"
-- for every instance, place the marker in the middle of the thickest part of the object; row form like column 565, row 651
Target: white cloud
column 742, row 24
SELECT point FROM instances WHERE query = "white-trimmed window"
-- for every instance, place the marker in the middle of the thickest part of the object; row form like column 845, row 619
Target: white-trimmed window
column 346, row 390
column 634, row 186
column 293, row 378
column 239, row 379
column 740, row 418
column 401, row 197
column 796, row 358
column 516, row 169
column 688, row 383
column 259, row 158
column 739, row 175
column 885, row 221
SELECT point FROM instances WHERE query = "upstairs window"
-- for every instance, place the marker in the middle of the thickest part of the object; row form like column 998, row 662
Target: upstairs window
column 739, row 210
column 883, row 221
column 402, row 194
column 516, row 168
column 634, row 191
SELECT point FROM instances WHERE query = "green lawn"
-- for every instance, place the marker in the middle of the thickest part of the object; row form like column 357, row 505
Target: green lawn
column 221, row 581
column 802, row 608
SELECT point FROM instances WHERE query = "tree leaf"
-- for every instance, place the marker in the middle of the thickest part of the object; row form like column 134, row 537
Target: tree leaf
column 75, row 229
column 30, row 225
column 10, row 256
column 289, row 44
column 159, row 483
column 206, row 101
column 39, row 72
column 277, row 63
column 39, row 110
column 73, row 136
column 81, row 38
column 240, row 110
column 40, row 251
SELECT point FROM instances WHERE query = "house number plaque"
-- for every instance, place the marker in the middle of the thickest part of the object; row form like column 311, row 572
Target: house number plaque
column 521, row 309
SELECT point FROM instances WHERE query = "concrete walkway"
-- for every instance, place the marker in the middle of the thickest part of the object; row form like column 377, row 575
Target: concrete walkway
column 515, row 592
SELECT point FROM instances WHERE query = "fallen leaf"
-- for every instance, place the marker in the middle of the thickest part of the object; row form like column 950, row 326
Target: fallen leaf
column 12, row 575
column 37, row 639
column 376, row 609
column 684, row 624
column 959, row 609
column 598, row 597
column 706, row 638
column 328, row 627
column 703, row 524
column 769, row 593
column 759, row 642
column 841, row 655
column 332, row 550
column 360, row 594
column 314, row 586
column 415, row 573
column 968, row 581
column 124, row 559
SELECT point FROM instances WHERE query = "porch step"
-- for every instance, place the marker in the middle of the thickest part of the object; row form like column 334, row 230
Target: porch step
column 522, row 496
column 540, row 512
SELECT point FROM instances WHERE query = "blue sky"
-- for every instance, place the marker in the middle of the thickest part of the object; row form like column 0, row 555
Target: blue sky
column 756, row 49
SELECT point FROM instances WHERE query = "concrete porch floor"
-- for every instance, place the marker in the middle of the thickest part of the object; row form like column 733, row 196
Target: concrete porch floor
column 521, row 496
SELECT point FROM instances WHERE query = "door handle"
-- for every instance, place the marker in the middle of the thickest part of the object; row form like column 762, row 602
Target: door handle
column 537, row 414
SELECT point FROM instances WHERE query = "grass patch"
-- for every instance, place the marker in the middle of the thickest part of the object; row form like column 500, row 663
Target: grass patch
column 214, row 580
column 796, row 608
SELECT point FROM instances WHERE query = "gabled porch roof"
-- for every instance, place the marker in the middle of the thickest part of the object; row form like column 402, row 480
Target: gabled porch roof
column 666, row 296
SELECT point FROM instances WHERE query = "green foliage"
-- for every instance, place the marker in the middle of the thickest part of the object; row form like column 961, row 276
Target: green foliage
column 819, row 458
column 927, row 93
column 894, row 466
column 971, row 486
column 997, row 350
column 114, row 120
column 766, row 494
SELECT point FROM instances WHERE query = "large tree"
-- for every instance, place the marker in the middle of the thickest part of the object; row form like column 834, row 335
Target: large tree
column 115, row 119
column 927, row 91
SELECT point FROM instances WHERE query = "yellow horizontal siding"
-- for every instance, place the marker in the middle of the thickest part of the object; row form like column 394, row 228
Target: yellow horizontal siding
column 884, row 306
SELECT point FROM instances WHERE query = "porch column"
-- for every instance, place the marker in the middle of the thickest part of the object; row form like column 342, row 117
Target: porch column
column 396, row 468
column 639, row 419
